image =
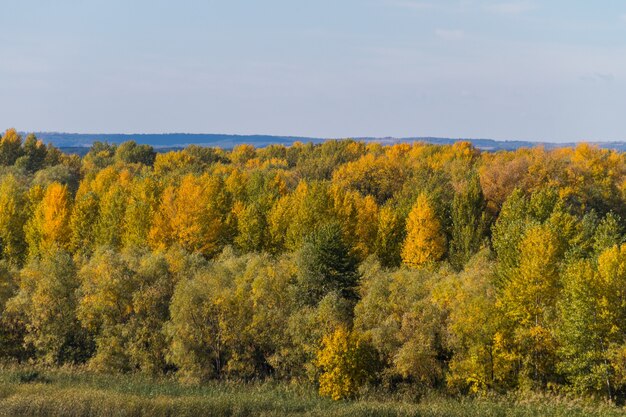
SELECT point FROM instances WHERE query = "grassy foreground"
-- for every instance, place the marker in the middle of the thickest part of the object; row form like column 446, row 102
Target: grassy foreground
column 77, row 393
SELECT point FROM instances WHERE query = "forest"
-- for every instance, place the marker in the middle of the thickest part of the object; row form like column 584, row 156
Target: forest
column 350, row 266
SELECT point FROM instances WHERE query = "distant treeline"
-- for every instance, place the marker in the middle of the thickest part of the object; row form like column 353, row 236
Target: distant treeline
column 80, row 142
column 410, row 266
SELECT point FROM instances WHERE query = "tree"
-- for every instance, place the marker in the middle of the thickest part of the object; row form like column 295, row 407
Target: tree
column 12, row 327
column 296, row 215
column 100, row 156
column 424, row 241
column 13, row 216
column 143, row 202
column 608, row 233
column 326, row 264
column 83, row 223
column 397, row 314
column 473, row 323
column 529, row 301
column 193, row 215
column 104, row 306
column 253, row 235
column 389, row 237
column 347, row 363
column 358, row 216
column 124, row 304
column 63, row 174
column 592, row 322
column 147, row 344
column 468, row 223
column 507, row 233
column 50, row 224
column 210, row 321
column 46, row 299
column 242, row 153
column 583, row 351
column 111, row 213
column 132, row 153
column 10, row 147
column 274, row 297
column 34, row 154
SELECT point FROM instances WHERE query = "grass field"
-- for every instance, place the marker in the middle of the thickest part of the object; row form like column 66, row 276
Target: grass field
column 79, row 393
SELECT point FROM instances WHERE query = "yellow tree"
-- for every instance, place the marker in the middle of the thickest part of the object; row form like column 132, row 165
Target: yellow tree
column 143, row 202
column 112, row 208
column 347, row 363
column 12, row 219
column 424, row 243
column 389, row 237
column 161, row 234
column 194, row 215
column 359, row 217
column 105, row 305
column 189, row 223
column 529, row 301
column 50, row 224
column 46, row 301
column 296, row 215
column 82, row 223
column 10, row 147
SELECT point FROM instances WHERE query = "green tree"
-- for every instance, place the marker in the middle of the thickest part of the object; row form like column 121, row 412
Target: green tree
column 83, row 223
column 46, row 300
column 468, row 223
column 326, row 264
column 34, row 154
column 111, row 212
column 389, row 237
column 210, row 318
column 472, row 324
column 608, row 233
column 508, row 231
column 105, row 300
column 252, row 230
column 397, row 313
column 12, row 327
column 142, row 204
column 529, row 301
column 10, row 147
column 13, row 216
column 132, row 153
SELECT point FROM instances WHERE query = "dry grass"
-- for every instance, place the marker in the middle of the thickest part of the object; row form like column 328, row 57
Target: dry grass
column 77, row 393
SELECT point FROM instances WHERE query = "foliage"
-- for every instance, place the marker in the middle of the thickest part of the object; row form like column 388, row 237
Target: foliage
column 347, row 362
column 391, row 268
column 424, row 241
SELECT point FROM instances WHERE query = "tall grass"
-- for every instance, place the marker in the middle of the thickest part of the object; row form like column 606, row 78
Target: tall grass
column 77, row 393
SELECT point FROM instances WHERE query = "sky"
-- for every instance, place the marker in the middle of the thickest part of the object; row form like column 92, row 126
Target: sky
column 534, row 70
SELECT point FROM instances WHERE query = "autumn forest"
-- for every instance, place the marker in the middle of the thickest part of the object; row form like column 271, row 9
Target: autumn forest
column 346, row 265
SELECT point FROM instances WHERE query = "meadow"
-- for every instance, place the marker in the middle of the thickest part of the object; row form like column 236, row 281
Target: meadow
column 73, row 392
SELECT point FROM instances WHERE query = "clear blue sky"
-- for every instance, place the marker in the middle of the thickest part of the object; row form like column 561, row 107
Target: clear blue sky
column 538, row 70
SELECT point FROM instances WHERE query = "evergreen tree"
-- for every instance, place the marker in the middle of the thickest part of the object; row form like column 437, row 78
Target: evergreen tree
column 326, row 264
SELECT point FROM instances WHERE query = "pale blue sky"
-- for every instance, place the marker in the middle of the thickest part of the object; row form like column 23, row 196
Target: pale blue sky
column 538, row 70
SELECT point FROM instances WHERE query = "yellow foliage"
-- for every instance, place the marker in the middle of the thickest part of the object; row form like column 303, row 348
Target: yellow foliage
column 190, row 215
column 50, row 224
column 424, row 242
column 347, row 363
